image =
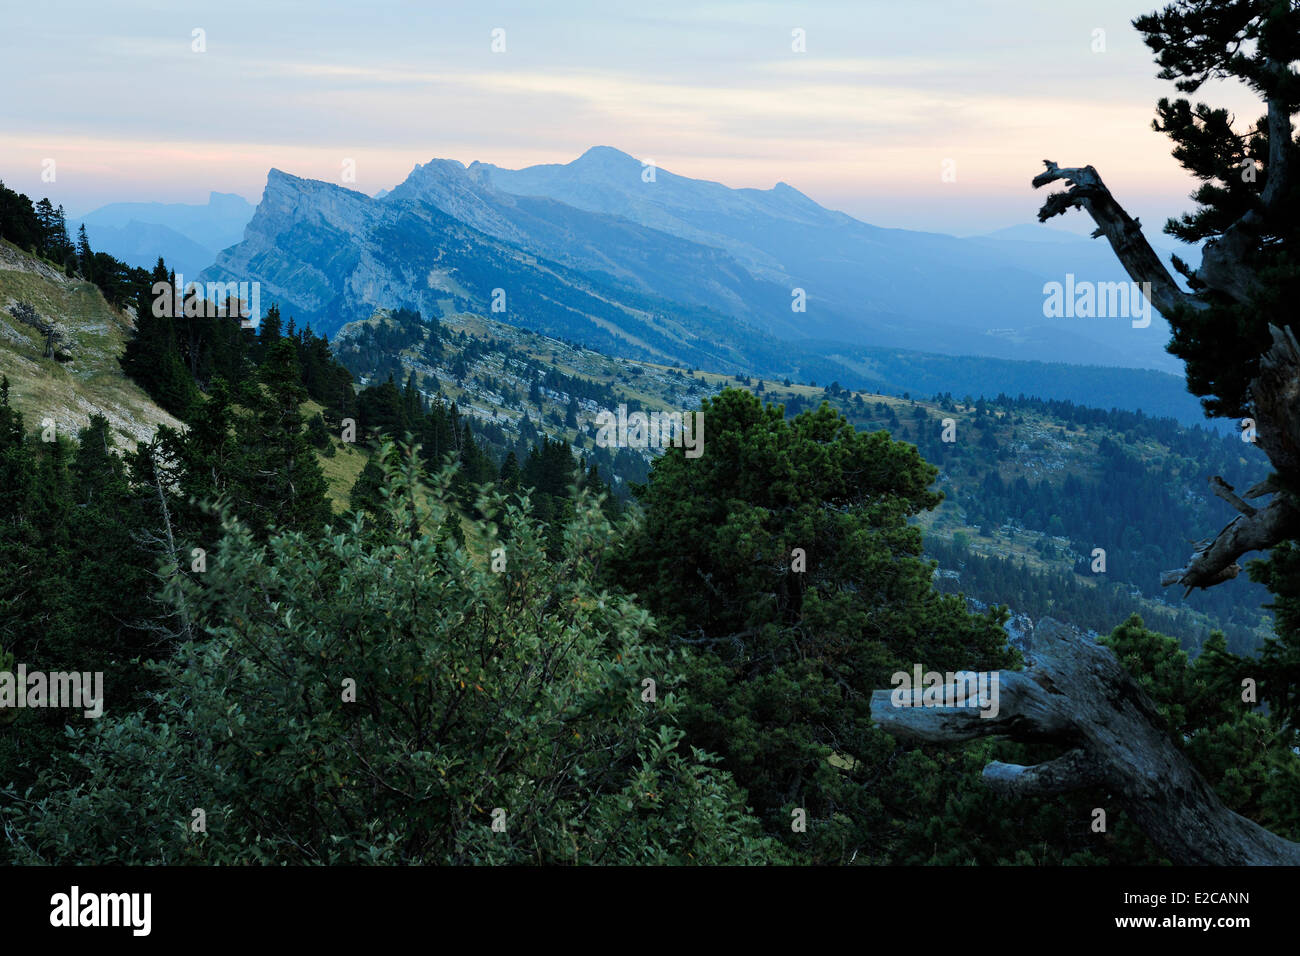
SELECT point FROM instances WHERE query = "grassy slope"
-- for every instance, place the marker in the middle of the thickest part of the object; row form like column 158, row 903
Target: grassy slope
column 69, row 393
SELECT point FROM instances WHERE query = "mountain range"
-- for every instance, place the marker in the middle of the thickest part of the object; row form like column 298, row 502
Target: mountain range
column 636, row 261
column 189, row 235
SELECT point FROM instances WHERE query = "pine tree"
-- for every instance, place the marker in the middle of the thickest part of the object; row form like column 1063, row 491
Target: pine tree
column 784, row 556
column 268, row 332
column 452, row 530
column 381, row 409
column 412, row 403
column 509, row 475
column 47, row 223
column 152, row 356
column 19, row 529
column 1250, row 43
column 63, row 247
column 284, row 485
column 85, row 257
column 365, row 496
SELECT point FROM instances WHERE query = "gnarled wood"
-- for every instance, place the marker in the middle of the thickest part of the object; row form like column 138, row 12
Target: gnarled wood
column 1215, row 561
column 1077, row 694
column 1122, row 231
column 1275, row 393
column 1227, row 269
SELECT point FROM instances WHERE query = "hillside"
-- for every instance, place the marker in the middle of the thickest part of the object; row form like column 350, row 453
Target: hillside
column 1031, row 487
column 69, row 392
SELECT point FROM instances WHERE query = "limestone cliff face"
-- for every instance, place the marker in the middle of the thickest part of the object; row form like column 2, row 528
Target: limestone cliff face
column 445, row 241
column 302, row 243
column 447, row 185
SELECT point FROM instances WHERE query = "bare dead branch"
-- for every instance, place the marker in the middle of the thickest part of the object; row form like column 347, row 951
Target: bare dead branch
column 1225, row 491
column 1073, row 770
column 1124, row 233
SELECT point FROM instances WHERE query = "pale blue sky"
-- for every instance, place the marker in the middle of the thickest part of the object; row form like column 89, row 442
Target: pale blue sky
column 863, row 120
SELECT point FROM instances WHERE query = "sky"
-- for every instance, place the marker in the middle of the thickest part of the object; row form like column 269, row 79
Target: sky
column 917, row 114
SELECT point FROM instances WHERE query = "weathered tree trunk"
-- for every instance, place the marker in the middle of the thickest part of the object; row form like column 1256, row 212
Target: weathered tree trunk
column 1077, row 694
column 1227, row 268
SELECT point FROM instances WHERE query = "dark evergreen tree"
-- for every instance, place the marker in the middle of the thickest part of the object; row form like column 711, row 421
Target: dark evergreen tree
column 785, row 558
column 85, row 257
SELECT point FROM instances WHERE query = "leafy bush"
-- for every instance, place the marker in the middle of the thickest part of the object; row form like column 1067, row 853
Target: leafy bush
column 518, row 691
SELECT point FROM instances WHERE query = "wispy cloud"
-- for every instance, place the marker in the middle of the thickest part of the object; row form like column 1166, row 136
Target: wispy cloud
column 883, row 96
